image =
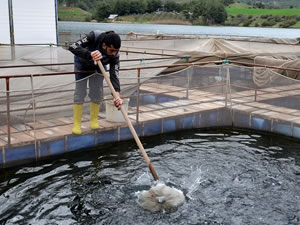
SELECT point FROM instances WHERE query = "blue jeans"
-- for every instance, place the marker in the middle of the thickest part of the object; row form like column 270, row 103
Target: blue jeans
column 95, row 84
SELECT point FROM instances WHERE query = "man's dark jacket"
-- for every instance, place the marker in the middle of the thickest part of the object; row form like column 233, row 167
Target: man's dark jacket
column 93, row 41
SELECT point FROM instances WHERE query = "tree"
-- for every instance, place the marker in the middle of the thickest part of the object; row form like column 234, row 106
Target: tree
column 137, row 6
column 187, row 14
column 71, row 2
column 228, row 2
column 216, row 12
column 212, row 11
column 197, row 8
column 171, row 6
column 103, row 10
column 153, row 5
column 122, row 7
column 260, row 5
column 82, row 6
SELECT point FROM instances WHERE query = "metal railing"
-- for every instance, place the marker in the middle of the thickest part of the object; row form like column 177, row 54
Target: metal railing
column 138, row 82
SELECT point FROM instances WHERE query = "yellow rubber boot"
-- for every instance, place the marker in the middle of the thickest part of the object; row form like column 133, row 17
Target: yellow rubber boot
column 94, row 111
column 77, row 114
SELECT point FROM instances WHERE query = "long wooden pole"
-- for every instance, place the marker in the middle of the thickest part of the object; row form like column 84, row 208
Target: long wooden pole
column 136, row 138
column 8, row 111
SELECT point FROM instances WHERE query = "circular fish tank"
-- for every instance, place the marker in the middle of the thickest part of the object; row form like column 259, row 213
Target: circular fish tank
column 227, row 176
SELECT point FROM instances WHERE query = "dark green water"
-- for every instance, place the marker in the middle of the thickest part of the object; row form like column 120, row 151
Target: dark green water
column 228, row 177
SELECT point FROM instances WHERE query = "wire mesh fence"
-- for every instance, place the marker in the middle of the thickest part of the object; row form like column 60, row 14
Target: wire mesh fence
column 38, row 85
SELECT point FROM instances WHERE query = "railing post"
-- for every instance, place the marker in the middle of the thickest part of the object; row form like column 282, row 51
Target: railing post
column 188, row 82
column 11, row 29
column 138, row 94
column 8, row 110
column 227, row 85
column 226, row 63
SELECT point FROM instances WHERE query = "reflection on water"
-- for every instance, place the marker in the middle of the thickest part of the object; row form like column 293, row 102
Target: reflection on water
column 228, row 177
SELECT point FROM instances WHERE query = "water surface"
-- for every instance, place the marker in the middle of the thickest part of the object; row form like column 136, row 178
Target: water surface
column 85, row 27
column 228, row 177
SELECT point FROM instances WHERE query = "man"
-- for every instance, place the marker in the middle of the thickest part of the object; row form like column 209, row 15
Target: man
column 95, row 46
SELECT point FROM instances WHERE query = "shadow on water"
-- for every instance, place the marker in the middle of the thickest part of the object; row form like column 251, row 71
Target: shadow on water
column 228, row 177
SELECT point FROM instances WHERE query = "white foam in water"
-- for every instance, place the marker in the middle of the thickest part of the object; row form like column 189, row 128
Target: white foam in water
column 193, row 182
column 161, row 198
column 144, row 179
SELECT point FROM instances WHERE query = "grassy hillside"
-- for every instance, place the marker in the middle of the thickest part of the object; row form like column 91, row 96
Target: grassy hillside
column 73, row 14
column 248, row 11
column 239, row 5
column 279, row 3
column 155, row 18
column 240, row 15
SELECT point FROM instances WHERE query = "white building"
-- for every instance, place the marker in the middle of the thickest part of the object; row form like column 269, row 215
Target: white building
column 112, row 16
column 28, row 22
